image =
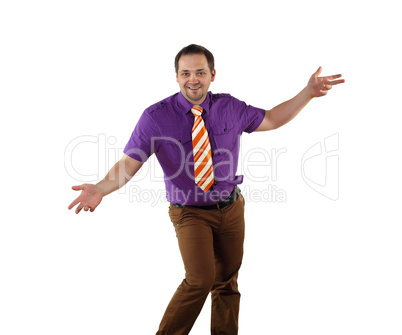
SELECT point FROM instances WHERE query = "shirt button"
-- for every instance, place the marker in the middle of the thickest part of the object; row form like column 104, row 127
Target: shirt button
column 225, row 130
column 179, row 141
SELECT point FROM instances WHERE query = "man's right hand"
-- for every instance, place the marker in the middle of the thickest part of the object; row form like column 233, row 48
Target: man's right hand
column 118, row 176
column 90, row 197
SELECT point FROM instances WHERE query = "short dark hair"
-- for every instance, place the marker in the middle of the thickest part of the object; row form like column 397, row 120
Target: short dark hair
column 194, row 49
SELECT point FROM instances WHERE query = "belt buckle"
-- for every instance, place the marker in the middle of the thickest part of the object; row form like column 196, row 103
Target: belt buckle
column 224, row 203
column 221, row 205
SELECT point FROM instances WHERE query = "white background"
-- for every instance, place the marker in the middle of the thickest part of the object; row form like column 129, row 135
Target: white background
column 87, row 69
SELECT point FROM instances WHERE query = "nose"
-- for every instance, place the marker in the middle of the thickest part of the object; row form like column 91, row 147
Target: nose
column 193, row 78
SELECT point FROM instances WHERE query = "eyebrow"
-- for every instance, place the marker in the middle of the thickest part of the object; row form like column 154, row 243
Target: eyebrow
column 189, row 70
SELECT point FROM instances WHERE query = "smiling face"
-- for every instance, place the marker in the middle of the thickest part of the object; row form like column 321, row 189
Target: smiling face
column 194, row 77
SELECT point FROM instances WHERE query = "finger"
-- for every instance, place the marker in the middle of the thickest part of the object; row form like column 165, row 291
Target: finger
column 76, row 201
column 79, row 208
column 78, row 187
column 334, row 76
column 323, row 92
column 317, row 73
column 325, row 80
column 336, row 82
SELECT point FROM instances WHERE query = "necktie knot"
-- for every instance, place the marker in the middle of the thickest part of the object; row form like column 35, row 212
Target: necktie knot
column 196, row 110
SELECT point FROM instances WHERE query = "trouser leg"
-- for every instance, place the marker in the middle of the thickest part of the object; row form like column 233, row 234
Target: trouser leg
column 228, row 251
column 195, row 239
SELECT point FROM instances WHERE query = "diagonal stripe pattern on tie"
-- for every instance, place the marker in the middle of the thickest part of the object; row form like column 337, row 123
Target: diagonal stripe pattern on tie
column 203, row 170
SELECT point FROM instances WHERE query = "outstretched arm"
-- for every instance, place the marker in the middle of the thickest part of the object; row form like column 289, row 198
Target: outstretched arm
column 91, row 195
column 286, row 111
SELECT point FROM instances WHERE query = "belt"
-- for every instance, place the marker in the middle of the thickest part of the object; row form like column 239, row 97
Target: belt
column 221, row 204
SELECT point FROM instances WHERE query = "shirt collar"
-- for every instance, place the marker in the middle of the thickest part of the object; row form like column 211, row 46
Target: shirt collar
column 185, row 106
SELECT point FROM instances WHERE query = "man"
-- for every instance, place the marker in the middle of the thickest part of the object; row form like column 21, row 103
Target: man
column 195, row 136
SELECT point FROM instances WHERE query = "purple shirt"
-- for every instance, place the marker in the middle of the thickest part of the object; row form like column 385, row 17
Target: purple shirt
column 165, row 129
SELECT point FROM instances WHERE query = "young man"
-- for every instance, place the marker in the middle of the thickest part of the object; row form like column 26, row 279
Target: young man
column 195, row 136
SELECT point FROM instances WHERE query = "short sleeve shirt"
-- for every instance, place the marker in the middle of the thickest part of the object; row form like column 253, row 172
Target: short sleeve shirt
column 164, row 129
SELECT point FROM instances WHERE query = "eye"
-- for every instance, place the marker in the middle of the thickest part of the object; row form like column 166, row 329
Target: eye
column 201, row 73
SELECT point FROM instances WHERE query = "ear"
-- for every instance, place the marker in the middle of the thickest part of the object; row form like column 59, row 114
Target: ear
column 213, row 73
column 177, row 76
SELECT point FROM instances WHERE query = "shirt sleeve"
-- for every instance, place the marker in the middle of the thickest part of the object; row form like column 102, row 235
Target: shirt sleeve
column 141, row 144
column 250, row 117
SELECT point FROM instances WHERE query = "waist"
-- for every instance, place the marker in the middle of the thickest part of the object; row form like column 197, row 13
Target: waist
column 221, row 204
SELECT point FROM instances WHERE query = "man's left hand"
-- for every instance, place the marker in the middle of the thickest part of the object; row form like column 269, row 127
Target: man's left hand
column 319, row 86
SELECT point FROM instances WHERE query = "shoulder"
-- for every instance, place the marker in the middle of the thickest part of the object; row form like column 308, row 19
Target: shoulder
column 221, row 96
column 162, row 106
column 225, row 100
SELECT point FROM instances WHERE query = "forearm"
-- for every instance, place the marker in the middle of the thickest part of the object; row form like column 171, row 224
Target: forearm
column 287, row 110
column 119, row 175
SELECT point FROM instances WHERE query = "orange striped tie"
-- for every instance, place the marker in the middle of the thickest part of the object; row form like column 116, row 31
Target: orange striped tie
column 203, row 170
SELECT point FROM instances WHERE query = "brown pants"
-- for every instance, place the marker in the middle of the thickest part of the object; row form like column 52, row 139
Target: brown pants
column 211, row 245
